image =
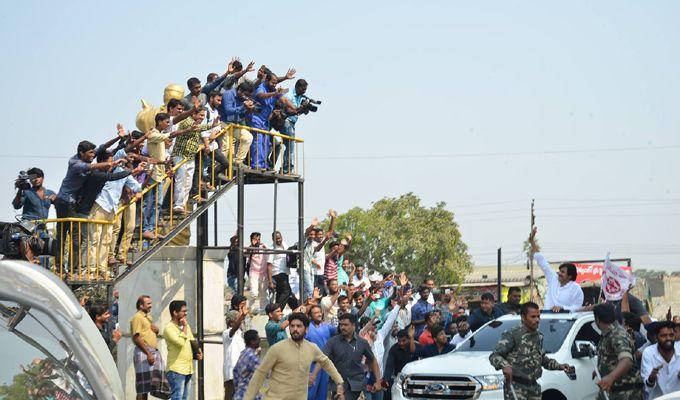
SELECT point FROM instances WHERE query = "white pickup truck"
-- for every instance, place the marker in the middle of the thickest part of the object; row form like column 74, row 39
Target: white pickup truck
column 49, row 346
column 466, row 372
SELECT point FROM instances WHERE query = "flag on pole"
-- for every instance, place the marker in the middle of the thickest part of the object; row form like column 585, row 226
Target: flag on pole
column 615, row 281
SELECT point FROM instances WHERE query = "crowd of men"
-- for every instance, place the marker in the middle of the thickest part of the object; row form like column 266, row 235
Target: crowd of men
column 101, row 179
column 371, row 325
column 359, row 330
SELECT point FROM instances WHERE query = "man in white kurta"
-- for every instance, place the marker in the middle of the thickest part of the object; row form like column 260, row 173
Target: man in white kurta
column 563, row 291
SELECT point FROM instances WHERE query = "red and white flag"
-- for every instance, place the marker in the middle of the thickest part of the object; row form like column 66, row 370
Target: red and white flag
column 615, row 281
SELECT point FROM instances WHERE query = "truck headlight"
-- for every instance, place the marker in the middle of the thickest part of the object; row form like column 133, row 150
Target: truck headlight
column 491, row 382
column 401, row 379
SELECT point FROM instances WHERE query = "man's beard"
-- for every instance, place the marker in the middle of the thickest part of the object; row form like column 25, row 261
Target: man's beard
column 667, row 345
column 297, row 336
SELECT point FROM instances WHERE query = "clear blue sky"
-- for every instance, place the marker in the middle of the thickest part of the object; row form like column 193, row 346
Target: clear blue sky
column 483, row 105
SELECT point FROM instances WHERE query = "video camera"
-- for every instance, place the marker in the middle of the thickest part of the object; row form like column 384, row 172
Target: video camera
column 309, row 104
column 15, row 235
column 24, row 180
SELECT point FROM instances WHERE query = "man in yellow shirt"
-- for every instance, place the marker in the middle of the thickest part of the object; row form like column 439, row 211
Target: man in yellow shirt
column 178, row 337
column 147, row 359
column 288, row 362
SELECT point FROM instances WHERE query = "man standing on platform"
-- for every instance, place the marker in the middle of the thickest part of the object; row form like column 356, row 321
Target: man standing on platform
column 257, row 277
column 278, row 273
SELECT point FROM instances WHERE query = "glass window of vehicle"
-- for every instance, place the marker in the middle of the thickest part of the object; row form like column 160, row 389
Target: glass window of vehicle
column 36, row 361
column 485, row 339
column 588, row 333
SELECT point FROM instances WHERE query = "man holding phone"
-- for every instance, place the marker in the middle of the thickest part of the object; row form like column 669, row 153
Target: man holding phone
column 178, row 338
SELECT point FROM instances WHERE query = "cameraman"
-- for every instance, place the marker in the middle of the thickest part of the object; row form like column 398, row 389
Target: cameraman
column 295, row 98
column 36, row 200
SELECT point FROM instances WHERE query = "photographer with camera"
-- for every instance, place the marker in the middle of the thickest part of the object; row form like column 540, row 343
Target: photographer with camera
column 33, row 197
column 298, row 104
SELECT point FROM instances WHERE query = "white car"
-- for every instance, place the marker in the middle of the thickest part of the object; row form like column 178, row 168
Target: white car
column 49, row 346
column 466, row 372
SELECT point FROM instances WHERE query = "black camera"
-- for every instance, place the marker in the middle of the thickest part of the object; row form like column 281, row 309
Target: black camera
column 24, row 180
column 309, row 104
column 15, row 235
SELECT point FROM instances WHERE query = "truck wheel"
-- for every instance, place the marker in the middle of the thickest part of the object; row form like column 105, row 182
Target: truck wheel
column 553, row 394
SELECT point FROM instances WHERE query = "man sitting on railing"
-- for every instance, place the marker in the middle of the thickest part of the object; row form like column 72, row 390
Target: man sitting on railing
column 237, row 108
column 35, row 200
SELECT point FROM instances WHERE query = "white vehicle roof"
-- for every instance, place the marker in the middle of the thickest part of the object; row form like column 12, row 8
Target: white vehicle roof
column 551, row 315
column 35, row 287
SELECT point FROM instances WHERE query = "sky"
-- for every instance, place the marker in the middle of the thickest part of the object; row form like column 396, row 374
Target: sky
column 483, row 105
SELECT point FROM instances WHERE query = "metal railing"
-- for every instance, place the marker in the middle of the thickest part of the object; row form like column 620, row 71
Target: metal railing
column 87, row 258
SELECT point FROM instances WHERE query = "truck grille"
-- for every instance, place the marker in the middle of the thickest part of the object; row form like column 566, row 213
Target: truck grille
column 441, row 387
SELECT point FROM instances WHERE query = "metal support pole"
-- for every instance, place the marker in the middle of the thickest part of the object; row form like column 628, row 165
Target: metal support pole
column 276, row 196
column 500, row 281
column 301, row 239
column 201, row 243
column 239, row 229
column 215, row 224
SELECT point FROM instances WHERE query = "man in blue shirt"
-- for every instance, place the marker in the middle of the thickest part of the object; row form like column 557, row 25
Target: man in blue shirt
column 295, row 99
column 420, row 310
column 35, row 201
column 266, row 95
column 486, row 312
column 237, row 108
column 318, row 333
column 79, row 167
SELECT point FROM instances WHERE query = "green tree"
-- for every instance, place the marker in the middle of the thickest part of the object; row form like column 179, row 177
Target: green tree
column 399, row 234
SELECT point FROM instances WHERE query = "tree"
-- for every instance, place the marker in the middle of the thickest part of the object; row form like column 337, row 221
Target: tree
column 399, row 234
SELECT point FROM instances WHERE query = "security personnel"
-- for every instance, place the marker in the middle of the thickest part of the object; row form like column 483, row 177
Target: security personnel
column 620, row 376
column 520, row 355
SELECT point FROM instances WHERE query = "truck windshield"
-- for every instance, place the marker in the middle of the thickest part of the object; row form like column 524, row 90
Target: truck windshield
column 485, row 339
column 37, row 363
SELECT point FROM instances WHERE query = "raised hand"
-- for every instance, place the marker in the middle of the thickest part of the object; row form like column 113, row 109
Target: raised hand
column 250, row 67
column 281, row 90
column 291, row 73
column 121, row 130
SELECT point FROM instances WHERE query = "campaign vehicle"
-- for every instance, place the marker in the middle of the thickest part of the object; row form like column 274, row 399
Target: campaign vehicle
column 49, row 346
column 466, row 372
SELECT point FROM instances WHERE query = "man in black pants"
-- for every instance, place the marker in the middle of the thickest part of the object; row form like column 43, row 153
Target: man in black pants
column 278, row 273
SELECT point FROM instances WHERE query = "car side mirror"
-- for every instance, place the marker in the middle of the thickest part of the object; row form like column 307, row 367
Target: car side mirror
column 582, row 348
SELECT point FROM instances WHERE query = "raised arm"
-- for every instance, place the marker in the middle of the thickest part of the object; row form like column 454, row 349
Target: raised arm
column 550, row 274
column 391, row 317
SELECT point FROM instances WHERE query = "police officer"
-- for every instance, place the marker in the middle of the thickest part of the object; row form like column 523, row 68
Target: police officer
column 520, row 355
column 620, row 376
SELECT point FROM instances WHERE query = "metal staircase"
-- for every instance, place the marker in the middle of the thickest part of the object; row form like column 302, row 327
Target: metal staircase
column 176, row 229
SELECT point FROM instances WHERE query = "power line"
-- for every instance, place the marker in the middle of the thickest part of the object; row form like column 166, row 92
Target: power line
column 500, row 154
